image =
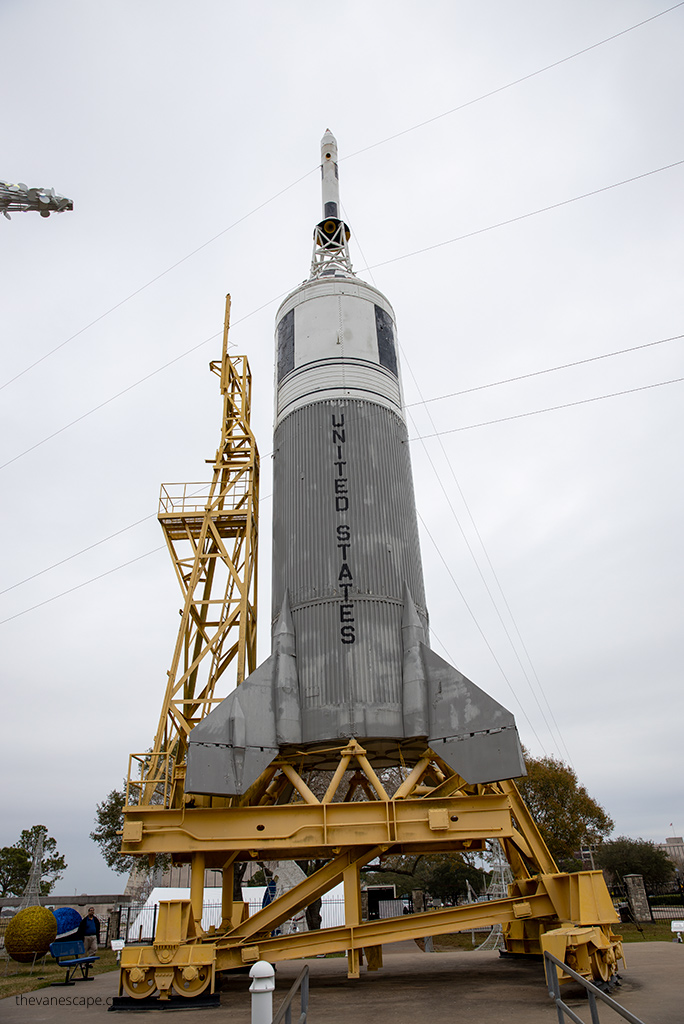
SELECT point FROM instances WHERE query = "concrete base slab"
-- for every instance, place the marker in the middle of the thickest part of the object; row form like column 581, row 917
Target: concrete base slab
column 444, row 988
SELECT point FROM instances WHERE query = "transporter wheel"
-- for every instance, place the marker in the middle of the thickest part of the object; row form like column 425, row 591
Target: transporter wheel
column 138, row 982
column 604, row 968
column 191, row 980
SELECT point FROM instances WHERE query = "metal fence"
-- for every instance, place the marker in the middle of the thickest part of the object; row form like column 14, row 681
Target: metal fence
column 394, row 908
column 673, row 909
column 137, row 922
column 666, row 913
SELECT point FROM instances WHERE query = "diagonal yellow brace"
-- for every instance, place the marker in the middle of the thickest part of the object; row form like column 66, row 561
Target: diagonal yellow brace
column 267, row 919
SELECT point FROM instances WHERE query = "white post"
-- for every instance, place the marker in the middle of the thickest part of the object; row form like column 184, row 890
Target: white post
column 263, row 983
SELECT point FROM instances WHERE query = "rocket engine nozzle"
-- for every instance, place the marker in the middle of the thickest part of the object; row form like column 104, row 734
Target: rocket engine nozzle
column 331, row 233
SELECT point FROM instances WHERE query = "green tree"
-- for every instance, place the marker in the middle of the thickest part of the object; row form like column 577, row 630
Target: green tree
column 567, row 817
column 15, row 867
column 444, row 876
column 109, row 820
column 54, row 863
column 398, row 870
column 623, row 856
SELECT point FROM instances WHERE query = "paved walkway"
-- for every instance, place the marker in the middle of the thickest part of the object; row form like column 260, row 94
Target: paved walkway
column 443, row 988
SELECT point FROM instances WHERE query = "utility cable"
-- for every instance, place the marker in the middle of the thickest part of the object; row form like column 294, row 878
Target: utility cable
column 157, row 278
column 551, row 408
column 472, row 553
column 78, row 586
column 480, row 630
column 421, row 437
column 481, row 574
column 374, row 145
column 539, row 373
column 409, row 405
column 510, row 85
column 90, row 547
column 525, row 216
column 93, row 579
column 136, row 383
column 416, row 252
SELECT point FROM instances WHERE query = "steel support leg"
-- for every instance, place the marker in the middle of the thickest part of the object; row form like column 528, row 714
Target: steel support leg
column 352, row 914
column 197, row 886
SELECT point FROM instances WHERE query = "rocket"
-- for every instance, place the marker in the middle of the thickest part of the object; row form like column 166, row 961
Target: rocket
column 350, row 638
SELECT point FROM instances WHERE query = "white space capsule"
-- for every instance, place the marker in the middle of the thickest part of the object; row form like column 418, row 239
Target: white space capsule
column 351, row 655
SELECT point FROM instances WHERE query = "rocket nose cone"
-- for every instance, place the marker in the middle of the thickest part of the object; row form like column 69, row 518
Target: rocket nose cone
column 328, row 139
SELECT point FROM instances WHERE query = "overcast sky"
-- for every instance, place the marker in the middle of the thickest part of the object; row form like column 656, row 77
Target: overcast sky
column 177, row 128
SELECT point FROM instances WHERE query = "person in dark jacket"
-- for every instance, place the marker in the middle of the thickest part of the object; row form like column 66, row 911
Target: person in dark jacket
column 89, row 931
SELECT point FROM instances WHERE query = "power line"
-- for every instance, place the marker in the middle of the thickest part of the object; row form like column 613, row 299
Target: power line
column 510, row 85
column 481, row 574
column 477, row 565
column 525, row 216
column 459, row 238
column 90, row 547
column 157, row 278
column 421, row 437
column 539, row 373
column 437, row 117
column 93, row 579
column 480, row 630
column 136, row 383
column 80, row 585
column 551, row 408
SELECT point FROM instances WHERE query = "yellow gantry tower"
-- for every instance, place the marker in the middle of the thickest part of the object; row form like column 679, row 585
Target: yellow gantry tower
column 211, row 531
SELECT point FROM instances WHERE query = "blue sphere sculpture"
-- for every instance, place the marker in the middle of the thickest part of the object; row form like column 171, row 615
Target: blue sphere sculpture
column 68, row 921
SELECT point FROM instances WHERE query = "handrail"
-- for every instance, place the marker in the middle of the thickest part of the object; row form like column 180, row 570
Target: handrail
column 285, row 1011
column 592, row 992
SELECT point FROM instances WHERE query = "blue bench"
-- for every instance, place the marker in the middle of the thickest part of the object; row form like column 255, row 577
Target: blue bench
column 70, row 954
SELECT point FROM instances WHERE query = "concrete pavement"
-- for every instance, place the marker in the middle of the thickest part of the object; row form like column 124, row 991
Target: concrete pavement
column 442, row 988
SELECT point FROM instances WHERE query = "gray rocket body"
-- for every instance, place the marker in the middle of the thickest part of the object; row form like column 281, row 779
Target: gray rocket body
column 350, row 626
column 345, row 536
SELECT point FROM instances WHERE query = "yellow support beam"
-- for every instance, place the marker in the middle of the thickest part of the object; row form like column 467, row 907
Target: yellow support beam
column 313, row 830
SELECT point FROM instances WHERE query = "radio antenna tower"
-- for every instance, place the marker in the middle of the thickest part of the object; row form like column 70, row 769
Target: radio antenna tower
column 31, row 894
column 20, row 199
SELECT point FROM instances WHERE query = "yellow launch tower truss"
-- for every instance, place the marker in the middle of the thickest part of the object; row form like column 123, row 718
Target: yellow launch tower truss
column 211, row 532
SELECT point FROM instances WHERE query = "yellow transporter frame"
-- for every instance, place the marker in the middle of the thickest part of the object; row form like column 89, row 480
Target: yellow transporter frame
column 212, row 537
column 433, row 810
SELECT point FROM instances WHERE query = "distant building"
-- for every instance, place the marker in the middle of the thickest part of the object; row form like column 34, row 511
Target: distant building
column 674, row 848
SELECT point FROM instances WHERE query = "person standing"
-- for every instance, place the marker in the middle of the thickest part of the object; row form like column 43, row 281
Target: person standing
column 89, row 931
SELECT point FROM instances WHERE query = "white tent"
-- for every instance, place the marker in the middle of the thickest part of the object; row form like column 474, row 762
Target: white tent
column 142, row 927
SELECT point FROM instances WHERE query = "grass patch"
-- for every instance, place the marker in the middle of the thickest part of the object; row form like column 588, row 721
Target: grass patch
column 458, row 940
column 21, row 978
column 657, row 931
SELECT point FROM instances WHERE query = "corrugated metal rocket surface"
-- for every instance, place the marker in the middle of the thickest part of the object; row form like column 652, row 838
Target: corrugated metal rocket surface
column 350, row 636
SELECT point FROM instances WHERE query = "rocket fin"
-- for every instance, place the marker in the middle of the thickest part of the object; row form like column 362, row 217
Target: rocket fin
column 475, row 734
column 288, row 710
column 415, row 694
column 230, row 748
